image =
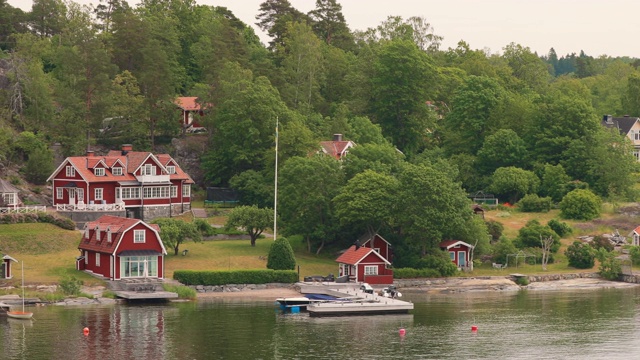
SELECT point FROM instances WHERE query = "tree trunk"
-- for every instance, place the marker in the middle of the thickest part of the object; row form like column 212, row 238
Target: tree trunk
column 176, row 249
column 320, row 248
column 253, row 240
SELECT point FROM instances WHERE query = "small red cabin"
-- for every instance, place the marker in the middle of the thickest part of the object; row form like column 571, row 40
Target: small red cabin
column 364, row 264
column 190, row 111
column 118, row 248
column 459, row 251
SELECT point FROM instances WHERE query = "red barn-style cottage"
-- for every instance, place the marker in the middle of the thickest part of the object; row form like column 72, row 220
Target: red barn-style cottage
column 459, row 252
column 147, row 186
column 119, row 248
column 368, row 261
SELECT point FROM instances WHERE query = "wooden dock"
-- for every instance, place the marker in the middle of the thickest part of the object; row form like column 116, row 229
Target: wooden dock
column 139, row 295
column 359, row 303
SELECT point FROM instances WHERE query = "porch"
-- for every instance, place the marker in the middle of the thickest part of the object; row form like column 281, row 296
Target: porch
column 101, row 206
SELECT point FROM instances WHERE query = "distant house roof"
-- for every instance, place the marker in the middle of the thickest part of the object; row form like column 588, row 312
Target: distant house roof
column 623, row 124
column 336, row 147
column 117, row 226
column 353, row 256
column 188, row 103
column 6, row 187
column 448, row 244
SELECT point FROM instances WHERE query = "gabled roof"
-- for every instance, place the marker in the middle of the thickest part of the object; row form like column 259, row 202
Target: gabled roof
column 623, row 124
column 353, row 256
column 188, row 103
column 448, row 244
column 336, row 148
column 118, row 227
column 6, row 187
column 366, row 238
column 129, row 160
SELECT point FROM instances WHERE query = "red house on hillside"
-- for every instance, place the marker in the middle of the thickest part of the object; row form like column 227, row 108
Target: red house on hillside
column 118, row 248
column 190, row 111
column 5, row 270
column 147, row 186
column 459, row 252
column 337, row 148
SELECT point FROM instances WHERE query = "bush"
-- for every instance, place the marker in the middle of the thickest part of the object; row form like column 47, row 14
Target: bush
column 610, row 267
column 204, row 227
column 184, row 292
column 495, row 229
column 580, row 255
column 411, row 273
column 190, row 277
column 281, row 255
column 522, row 280
column 39, row 166
column 634, row 252
column 561, row 228
column 580, row 204
column 534, row 203
column 70, row 285
column 41, row 217
column 440, row 262
column 600, row 242
column 531, row 234
column 503, row 248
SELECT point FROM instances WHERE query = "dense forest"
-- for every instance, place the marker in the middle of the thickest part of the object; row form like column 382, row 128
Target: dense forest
column 431, row 125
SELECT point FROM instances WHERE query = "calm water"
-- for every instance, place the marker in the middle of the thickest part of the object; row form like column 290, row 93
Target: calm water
column 594, row 324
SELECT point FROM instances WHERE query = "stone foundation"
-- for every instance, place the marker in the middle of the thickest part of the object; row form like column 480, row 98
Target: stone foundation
column 240, row 287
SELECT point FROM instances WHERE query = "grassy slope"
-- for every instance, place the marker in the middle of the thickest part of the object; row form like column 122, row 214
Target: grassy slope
column 49, row 252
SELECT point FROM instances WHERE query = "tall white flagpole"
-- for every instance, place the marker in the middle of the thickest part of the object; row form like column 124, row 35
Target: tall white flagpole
column 275, row 197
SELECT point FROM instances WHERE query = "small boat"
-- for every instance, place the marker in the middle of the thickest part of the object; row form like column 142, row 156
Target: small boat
column 24, row 315
column 303, row 301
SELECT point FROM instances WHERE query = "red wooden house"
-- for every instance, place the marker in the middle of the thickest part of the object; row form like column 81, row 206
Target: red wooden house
column 145, row 185
column 459, row 252
column 379, row 244
column 118, row 248
column 190, row 111
column 365, row 264
column 337, row 148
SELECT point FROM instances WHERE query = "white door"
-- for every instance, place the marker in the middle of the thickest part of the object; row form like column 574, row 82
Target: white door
column 72, row 196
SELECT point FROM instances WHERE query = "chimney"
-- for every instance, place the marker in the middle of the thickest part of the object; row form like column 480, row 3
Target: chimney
column 608, row 119
column 337, row 137
column 126, row 148
column 90, row 153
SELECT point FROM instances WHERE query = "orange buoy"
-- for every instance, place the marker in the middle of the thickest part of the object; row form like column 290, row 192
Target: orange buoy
column 402, row 332
column 474, row 328
column 85, row 331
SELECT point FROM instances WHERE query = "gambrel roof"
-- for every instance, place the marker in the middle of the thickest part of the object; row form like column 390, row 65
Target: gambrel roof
column 115, row 225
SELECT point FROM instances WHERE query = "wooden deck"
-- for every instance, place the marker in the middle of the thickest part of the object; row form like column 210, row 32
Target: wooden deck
column 140, row 295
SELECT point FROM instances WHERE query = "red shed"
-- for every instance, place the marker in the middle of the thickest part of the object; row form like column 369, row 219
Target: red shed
column 459, row 251
column 118, row 248
column 5, row 271
column 364, row 264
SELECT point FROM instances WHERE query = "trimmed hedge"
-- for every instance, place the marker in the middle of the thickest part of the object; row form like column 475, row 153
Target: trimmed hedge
column 410, row 273
column 192, row 277
column 39, row 217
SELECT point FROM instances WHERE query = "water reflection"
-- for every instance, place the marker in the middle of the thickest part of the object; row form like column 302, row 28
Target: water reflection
column 598, row 324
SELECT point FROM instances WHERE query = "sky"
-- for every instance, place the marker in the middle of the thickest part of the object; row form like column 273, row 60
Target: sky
column 598, row 27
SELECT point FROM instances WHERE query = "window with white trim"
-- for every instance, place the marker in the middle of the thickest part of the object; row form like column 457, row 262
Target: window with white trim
column 71, row 171
column 138, row 236
column 130, row 193
column 97, row 259
column 86, row 257
column 98, row 171
column 171, row 169
column 149, row 169
column 174, row 191
column 156, row 192
column 86, row 233
column 97, row 192
column 108, row 235
column 186, row 190
column 59, row 193
column 98, row 234
column 371, row 270
column 9, row 198
column 377, row 250
column 117, row 171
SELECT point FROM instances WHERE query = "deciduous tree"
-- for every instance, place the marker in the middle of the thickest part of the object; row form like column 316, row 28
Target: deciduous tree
column 252, row 219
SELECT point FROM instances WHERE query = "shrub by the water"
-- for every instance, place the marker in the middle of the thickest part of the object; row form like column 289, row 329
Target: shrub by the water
column 610, row 266
column 580, row 255
column 191, row 277
column 70, row 285
column 580, row 204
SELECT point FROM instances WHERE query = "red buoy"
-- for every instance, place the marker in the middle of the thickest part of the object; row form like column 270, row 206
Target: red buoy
column 402, row 332
column 85, row 331
column 474, row 328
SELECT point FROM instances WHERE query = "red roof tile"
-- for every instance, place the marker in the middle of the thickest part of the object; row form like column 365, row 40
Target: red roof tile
column 353, row 256
column 188, row 103
column 451, row 243
column 336, row 148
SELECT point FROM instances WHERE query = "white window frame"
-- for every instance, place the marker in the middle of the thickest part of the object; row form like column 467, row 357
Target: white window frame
column 97, row 193
column 117, row 171
column 70, row 171
column 171, row 169
column 174, row 191
column 148, row 169
column 97, row 259
column 98, row 234
column 59, row 193
column 86, row 257
column 370, row 270
column 130, row 193
column 109, row 235
column 186, row 190
column 139, row 236
column 377, row 250
column 86, row 233
column 98, row 171
column 156, row 192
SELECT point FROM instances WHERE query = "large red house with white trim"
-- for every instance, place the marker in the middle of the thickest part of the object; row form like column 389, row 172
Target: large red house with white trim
column 337, row 147
column 116, row 248
column 459, row 252
column 147, row 186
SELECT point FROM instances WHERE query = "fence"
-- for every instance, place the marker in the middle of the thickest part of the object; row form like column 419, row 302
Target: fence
column 22, row 209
